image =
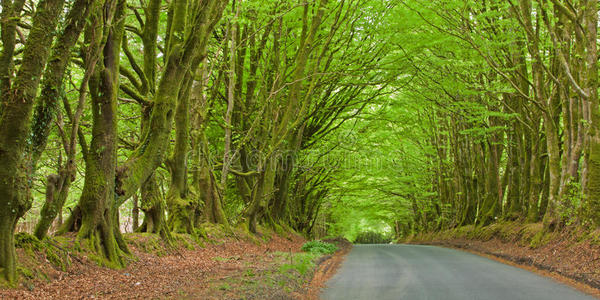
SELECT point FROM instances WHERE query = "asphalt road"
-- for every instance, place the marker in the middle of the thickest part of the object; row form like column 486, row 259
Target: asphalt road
column 379, row 272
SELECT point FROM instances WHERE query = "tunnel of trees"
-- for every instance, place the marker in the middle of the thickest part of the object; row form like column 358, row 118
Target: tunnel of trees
column 323, row 117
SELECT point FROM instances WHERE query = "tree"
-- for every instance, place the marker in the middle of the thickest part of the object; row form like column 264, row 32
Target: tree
column 18, row 97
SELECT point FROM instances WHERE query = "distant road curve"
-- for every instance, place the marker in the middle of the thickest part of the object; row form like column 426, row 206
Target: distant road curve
column 380, row 272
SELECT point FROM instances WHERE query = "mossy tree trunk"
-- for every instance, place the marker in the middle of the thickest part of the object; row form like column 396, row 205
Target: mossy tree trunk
column 58, row 186
column 8, row 256
column 47, row 102
column 97, row 202
column 537, row 171
column 154, row 207
column 592, row 177
column 135, row 213
column 16, row 109
column 287, row 163
column 550, row 113
column 262, row 196
column 203, row 179
column 289, row 118
column 514, row 201
column 188, row 28
column 182, row 51
column 180, row 205
column 57, row 190
column 552, row 217
column 491, row 206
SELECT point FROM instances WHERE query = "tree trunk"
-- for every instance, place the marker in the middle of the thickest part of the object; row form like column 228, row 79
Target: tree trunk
column 203, row 179
column 135, row 214
column 57, row 190
column 97, row 203
column 537, row 168
column 181, row 56
column 8, row 262
column 592, row 180
column 551, row 217
column 15, row 126
column 154, row 207
column 181, row 207
column 52, row 83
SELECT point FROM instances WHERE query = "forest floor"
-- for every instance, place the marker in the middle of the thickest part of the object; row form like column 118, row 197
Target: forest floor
column 225, row 267
column 571, row 256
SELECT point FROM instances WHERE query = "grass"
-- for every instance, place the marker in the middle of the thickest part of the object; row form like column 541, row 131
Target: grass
column 301, row 263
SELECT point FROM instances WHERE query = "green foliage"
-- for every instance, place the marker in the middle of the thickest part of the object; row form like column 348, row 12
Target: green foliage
column 370, row 237
column 319, row 247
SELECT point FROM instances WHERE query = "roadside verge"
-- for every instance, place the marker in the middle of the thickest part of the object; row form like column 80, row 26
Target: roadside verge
column 327, row 266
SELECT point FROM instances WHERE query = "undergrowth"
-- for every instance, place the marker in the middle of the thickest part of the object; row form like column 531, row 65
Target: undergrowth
column 319, row 247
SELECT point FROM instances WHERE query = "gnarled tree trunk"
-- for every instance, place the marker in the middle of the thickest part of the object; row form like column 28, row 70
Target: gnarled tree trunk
column 97, row 202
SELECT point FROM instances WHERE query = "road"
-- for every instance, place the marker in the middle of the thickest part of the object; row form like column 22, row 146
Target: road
column 379, row 272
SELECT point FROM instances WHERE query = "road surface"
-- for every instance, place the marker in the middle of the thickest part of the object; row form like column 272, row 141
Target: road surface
column 379, row 272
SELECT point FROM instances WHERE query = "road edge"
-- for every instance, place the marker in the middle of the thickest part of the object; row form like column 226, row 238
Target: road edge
column 326, row 268
column 525, row 264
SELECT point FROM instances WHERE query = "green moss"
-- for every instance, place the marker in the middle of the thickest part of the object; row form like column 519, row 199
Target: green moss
column 225, row 287
column 25, row 272
column 102, row 261
column 52, row 256
column 592, row 190
column 31, row 245
column 77, row 246
column 528, row 232
column 462, row 232
column 146, row 242
column 594, row 237
column 541, row 238
column 154, row 244
column 279, row 229
column 510, row 231
column 187, row 241
column 28, row 242
column 35, row 250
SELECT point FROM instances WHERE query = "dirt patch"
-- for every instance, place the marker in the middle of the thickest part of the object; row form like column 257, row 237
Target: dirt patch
column 571, row 256
column 228, row 268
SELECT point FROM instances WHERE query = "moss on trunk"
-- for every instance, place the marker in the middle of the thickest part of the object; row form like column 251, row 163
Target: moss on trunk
column 8, row 264
column 99, row 222
column 57, row 191
column 51, row 89
column 181, row 213
column 204, row 184
column 551, row 217
column 181, row 207
column 15, row 125
column 154, row 144
column 154, row 207
column 592, row 192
